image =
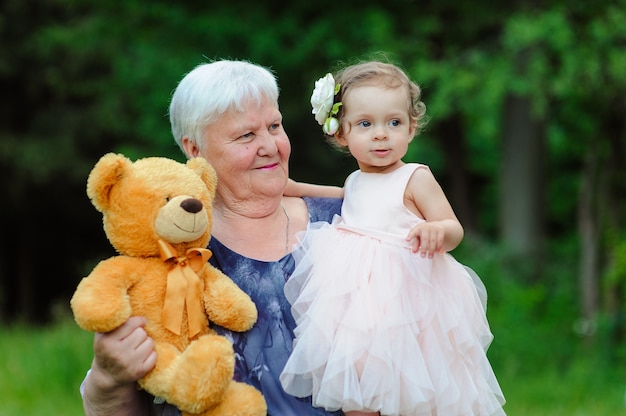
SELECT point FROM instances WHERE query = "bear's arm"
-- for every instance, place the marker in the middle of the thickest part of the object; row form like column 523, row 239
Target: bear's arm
column 225, row 303
column 101, row 302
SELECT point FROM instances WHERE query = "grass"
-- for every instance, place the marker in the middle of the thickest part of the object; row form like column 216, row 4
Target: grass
column 41, row 370
column 584, row 390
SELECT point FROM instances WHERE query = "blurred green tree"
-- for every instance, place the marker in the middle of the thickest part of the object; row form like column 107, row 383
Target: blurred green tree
column 525, row 99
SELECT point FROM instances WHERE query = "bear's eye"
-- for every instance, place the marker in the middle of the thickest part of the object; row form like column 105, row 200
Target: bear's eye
column 167, row 198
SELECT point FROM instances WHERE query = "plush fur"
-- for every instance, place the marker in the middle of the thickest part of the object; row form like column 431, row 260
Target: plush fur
column 142, row 202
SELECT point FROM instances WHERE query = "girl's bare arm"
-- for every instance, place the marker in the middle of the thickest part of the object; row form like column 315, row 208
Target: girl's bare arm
column 442, row 231
column 301, row 189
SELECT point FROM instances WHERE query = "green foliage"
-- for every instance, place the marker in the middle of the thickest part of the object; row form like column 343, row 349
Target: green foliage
column 615, row 275
column 81, row 78
column 42, row 368
column 531, row 319
column 544, row 358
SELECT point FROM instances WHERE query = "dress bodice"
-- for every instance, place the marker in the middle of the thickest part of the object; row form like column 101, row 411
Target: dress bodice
column 376, row 200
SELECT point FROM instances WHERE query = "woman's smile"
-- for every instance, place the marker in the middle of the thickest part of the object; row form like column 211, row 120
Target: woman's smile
column 270, row 166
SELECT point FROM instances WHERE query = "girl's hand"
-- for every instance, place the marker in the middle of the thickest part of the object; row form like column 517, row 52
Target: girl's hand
column 427, row 238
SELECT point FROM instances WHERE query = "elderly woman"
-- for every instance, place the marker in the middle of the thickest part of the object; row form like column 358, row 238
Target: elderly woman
column 227, row 112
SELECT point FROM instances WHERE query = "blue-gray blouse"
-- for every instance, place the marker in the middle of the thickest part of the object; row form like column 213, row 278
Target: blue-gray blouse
column 262, row 352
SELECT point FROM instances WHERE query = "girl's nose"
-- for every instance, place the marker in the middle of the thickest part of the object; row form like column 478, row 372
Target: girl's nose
column 380, row 133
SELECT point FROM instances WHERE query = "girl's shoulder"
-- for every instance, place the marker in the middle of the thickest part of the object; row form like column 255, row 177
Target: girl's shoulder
column 409, row 171
column 413, row 166
column 419, row 171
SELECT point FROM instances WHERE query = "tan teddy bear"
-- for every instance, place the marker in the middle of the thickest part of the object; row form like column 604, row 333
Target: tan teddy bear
column 157, row 215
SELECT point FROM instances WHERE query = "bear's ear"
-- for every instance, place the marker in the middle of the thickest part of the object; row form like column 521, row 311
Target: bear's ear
column 104, row 175
column 205, row 171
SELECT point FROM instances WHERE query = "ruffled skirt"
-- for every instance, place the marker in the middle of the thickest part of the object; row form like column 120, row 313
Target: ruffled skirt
column 380, row 328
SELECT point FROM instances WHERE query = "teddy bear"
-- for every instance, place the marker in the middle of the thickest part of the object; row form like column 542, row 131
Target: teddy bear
column 157, row 214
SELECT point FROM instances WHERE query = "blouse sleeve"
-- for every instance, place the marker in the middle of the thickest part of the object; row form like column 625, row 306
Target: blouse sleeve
column 323, row 209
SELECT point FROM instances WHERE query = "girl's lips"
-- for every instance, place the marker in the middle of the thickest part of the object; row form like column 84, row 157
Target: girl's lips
column 381, row 152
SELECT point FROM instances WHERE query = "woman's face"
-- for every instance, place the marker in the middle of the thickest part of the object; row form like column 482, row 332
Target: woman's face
column 249, row 151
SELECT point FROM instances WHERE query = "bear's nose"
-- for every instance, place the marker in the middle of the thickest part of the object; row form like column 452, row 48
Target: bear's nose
column 191, row 205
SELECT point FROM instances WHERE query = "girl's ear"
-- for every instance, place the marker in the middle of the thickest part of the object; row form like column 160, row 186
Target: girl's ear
column 412, row 130
column 340, row 136
column 341, row 139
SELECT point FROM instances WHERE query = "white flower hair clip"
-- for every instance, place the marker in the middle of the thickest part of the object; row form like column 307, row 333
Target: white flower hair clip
column 322, row 102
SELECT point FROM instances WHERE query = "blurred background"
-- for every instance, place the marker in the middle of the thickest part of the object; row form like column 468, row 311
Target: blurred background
column 527, row 135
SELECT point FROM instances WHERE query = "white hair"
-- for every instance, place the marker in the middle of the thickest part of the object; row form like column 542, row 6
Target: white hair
column 211, row 89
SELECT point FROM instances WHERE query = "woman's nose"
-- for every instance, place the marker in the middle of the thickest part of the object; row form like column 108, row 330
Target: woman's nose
column 268, row 144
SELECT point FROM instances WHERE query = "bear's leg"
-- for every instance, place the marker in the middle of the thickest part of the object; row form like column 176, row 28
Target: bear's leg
column 240, row 400
column 195, row 379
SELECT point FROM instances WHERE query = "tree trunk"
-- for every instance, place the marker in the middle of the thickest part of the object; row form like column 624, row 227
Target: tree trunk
column 588, row 226
column 612, row 207
column 522, row 180
column 459, row 183
column 26, row 292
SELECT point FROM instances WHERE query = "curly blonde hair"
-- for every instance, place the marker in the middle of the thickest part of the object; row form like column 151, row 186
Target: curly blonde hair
column 378, row 73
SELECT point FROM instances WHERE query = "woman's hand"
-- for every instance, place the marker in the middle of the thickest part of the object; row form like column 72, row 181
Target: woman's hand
column 125, row 354
column 121, row 357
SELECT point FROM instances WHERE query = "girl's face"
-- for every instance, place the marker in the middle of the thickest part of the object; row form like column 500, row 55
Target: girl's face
column 249, row 152
column 376, row 126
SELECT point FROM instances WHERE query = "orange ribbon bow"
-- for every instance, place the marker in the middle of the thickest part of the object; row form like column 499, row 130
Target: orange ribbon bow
column 183, row 288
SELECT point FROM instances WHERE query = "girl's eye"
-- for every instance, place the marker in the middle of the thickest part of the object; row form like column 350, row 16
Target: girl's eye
column 365, row 123
column 395, row 123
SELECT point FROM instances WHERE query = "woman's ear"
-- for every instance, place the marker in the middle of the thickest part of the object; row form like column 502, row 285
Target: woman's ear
column 190, row 147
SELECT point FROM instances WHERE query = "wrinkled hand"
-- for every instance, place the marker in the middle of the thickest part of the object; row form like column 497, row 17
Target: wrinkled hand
column 427, row 238
column 125, row 354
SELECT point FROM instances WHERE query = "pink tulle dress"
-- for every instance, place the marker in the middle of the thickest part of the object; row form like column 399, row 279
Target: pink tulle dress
column 380, row 328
